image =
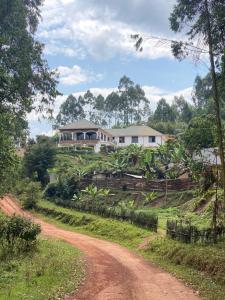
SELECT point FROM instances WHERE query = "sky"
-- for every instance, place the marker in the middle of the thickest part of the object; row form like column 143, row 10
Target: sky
column 88, row 42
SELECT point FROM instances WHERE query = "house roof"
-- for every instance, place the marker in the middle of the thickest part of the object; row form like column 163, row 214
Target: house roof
column 141, row 130
column 81, row 124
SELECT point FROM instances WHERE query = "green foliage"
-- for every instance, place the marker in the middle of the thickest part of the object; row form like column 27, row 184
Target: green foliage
column 42, row 274
column 188, row 233
column 38, row 158
column 122, row 232
column 65, row 187
column 71, row 110
column 122, row 211
column 164, row 112
column 17, row 234
column 94, row 192
column 22, row 56
column 149, row 197
column 200, row 133
column 207, row 259
column 8, row 157
column 124, row 104
column 31, row 195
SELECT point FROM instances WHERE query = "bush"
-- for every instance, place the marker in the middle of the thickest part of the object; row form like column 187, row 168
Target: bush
column 31, row 195
column 64, row 188
column 18, row 234
column 139, row 218
column 188, row 233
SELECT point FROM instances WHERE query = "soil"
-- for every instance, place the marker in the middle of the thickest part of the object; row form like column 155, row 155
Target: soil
column 113, row 272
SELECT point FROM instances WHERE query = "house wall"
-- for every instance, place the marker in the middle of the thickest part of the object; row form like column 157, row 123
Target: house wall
column 142, row 141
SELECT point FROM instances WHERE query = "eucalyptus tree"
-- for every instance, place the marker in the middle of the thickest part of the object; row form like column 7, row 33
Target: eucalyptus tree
column 71, row 110
column 203, row 19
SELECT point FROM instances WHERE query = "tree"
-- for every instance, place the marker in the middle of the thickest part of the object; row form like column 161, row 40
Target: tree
column 38, row 158
column 163, row 112
column 24, row 77
column 71, row 110
column 31, row 195
column 8, row 157
column 24, row 74
column 200, row 133
column 205, row 19
column 202, row 91
column 182, row 109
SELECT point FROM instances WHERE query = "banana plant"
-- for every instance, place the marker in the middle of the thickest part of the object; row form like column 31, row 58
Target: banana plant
column 94, row 192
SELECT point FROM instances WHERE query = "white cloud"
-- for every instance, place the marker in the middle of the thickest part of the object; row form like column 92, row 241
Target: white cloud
column 153, row 94
column 41, row 126
column 76, row 75
column 102, row 29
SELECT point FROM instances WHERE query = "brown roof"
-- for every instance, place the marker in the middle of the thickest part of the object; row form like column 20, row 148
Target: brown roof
column 81, row 124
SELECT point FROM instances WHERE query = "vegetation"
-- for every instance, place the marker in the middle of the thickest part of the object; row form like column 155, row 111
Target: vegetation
column 117, row 231
column 200, row 266
column 124, row 104
column 41, row 274
column 31, row 194
column 38, row 158
column 17, row 235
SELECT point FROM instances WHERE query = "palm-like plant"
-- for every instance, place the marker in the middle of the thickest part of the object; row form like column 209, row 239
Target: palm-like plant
column 94, row 192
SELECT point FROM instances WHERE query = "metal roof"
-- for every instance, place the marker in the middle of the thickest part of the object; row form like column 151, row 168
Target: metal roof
column 141, row 130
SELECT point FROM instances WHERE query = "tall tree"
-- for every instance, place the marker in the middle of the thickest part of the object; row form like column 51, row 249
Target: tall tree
column 24, row 74
column 204, row 19
column 202, row 91
column 182, row 109
column 25, row 79
column 71, row 110
column 164, row 112
column 38, row 158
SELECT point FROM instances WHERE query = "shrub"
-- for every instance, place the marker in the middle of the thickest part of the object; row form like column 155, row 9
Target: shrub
column 18, row 234
column 188, row 233
column 31, row 195
column 139, row 218
column 64, row 188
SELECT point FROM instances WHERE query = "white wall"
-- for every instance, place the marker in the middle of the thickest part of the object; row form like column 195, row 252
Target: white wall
column 142, row 141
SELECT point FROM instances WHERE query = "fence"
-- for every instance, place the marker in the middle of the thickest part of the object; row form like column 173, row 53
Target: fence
column 191, row 234
column 140, row 184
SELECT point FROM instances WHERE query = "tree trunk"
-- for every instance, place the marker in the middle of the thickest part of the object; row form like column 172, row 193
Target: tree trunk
column 215, row 94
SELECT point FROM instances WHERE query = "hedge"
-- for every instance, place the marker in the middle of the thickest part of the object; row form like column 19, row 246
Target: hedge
column 140, row 218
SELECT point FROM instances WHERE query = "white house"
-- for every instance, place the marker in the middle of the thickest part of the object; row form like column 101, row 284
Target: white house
column 140, row 135
column 83, row 132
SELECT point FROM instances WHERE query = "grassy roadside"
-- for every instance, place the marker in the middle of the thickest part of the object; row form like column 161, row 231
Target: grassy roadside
column 42, row 275
column 121, row 232
column 197, row 266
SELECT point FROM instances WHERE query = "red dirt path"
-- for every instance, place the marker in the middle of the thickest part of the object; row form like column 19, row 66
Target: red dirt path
column 114, row 273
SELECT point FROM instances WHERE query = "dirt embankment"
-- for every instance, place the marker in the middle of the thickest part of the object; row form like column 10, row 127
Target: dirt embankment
column 114, row 273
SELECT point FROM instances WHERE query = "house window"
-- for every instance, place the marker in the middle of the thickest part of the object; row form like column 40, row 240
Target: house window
column 151, row 139
column 135, row 139
column 121, row 139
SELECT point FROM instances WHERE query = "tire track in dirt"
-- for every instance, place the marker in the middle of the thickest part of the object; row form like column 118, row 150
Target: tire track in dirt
column 113, row 272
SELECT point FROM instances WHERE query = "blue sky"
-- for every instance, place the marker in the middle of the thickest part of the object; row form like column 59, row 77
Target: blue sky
column 89, row 43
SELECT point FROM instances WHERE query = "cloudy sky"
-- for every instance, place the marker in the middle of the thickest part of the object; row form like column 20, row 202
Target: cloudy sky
column 88, row 41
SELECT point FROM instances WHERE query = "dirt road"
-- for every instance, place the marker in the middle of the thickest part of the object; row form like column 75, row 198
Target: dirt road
column 114, row 273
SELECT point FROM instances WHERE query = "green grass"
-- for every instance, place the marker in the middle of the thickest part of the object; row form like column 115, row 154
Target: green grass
column 201, row 267
column 113, row 230
column 42, row 274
